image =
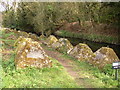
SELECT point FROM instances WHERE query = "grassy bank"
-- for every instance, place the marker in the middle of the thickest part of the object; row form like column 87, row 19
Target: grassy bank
column 55, row 77
column 91, row 37
column 91, row 75
column 99, row 78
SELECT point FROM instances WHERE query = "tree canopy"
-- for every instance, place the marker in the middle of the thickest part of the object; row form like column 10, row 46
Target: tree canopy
column 46, row 17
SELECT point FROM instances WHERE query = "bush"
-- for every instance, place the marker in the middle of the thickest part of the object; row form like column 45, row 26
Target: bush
column 108, row 70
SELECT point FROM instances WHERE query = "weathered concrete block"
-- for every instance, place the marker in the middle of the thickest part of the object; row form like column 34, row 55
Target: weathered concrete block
column 30, row 54
column 23, row 34
column 56, row 45
column 51, row 39
column 33, row 36
column 82, row 52
column 104, row 56
column 42, row 37
column 63, row 45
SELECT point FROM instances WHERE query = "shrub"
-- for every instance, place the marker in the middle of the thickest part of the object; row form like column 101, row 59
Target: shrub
column 108, row 70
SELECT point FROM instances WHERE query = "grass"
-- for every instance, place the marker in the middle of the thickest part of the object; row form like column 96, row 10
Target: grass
column 91, row 37
column 55, row 77
column 0, row 71
column 92, row 74
column 8, row 43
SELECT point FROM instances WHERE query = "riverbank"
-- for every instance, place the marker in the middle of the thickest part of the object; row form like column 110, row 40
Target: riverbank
column 84, row 73
column 91, row 37
column 78, row 74
column 93, row 45
column 30, row 77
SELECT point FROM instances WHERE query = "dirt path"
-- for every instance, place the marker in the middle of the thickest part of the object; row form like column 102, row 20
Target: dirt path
column 68, row 64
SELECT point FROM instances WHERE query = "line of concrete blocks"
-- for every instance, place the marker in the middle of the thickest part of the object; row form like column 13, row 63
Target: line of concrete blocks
column 83, row 52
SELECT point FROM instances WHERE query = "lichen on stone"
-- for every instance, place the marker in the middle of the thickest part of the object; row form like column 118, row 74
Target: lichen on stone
column 82, row 52
column 56, row 45
column 64, row 45
column 23, row 34
column 51, row 39
column 42, row 37
column 30, row 54
column 104, row 56
column 33, row 36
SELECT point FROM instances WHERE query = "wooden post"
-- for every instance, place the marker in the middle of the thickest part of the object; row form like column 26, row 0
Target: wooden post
column 116, row 74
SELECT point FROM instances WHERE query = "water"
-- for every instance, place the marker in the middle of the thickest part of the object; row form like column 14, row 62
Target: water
column 94, row 45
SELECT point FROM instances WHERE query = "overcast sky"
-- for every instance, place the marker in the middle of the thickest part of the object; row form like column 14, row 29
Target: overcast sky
column 1, row 8
column 5, row 1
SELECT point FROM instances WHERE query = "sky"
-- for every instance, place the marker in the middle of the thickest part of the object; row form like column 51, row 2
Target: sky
column 5, row 1
column 1, row 8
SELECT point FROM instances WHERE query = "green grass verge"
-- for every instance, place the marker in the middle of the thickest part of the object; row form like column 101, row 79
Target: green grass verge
column 0, row 70
column 91, row 37
column 93, row 75
column 55, row 77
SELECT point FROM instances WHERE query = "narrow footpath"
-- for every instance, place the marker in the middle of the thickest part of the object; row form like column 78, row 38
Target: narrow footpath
column 69, row 66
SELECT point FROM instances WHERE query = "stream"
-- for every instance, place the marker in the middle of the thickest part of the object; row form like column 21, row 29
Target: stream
column 93, row 45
